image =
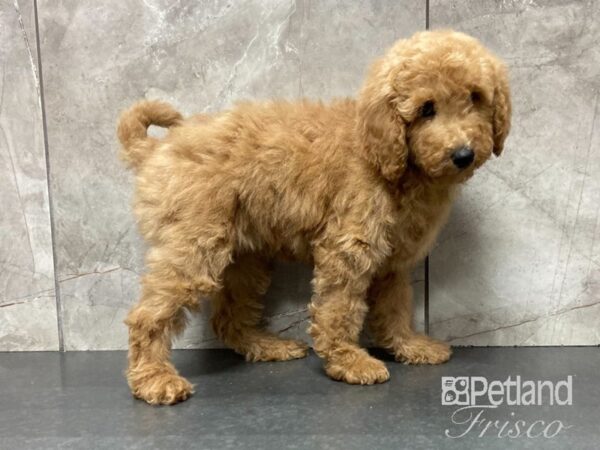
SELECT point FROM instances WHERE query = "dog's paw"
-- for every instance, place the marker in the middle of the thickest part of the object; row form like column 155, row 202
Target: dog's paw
column 421, row 349
column 359, row 368
column 164, row 388
column 276, row 349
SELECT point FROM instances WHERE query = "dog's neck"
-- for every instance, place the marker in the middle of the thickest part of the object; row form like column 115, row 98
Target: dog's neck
column 422, row 206
column 414, row 184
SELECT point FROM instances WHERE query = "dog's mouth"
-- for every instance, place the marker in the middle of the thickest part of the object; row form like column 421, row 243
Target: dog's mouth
column 448, row 166
column 446, row 172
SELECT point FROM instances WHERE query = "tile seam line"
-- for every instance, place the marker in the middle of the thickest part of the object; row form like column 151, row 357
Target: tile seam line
column 57, row 296
column 426, row 292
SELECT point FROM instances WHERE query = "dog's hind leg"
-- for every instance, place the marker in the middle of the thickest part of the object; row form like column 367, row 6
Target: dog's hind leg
column 238, row 311
column 174, row 282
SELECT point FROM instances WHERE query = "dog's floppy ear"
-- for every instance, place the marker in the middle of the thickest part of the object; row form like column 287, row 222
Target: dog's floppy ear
column 381, row 132
column 502, row 108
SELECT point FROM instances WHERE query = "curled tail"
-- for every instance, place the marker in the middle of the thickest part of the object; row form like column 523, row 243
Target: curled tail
column 133, row 126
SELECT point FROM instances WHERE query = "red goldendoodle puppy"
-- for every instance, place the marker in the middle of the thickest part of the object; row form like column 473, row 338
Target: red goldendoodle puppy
column 358, row 188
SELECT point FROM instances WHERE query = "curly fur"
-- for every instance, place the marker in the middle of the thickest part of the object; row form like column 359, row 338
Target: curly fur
column 358, row 188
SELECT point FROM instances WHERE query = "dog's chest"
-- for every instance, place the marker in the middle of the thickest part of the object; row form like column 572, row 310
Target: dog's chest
column 421, row 213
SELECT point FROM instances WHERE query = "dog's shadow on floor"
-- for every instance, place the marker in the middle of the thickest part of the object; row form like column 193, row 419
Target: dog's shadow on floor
column 381, row 354
column 197, row 363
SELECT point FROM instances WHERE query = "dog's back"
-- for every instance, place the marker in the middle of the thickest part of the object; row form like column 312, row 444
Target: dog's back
column 272, row 171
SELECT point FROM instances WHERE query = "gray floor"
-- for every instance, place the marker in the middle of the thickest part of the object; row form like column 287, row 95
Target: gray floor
column 80, row 400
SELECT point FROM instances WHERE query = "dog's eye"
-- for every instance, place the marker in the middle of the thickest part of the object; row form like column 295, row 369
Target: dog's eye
column 475, row 97
column 428, row 109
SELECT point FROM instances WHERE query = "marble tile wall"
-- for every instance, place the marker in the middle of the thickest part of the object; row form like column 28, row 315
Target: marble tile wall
column 201, row 56
column 517, row 264
column 28, row 319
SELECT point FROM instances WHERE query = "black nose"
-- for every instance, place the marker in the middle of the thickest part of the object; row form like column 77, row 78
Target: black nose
column 463, row 157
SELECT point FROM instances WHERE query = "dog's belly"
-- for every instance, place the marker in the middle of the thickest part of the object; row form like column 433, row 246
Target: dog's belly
column 273, row 237
column 298, row 248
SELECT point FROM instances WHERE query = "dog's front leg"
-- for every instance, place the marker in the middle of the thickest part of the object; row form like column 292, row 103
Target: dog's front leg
column 338, row 311
column 390, row 322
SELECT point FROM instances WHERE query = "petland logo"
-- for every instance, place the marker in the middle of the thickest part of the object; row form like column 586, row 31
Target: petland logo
column 475, row 395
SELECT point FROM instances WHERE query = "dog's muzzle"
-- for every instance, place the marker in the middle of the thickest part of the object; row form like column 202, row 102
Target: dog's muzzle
column 463, row 157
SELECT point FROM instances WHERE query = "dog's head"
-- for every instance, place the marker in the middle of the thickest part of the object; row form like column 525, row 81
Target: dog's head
column 439, row 102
